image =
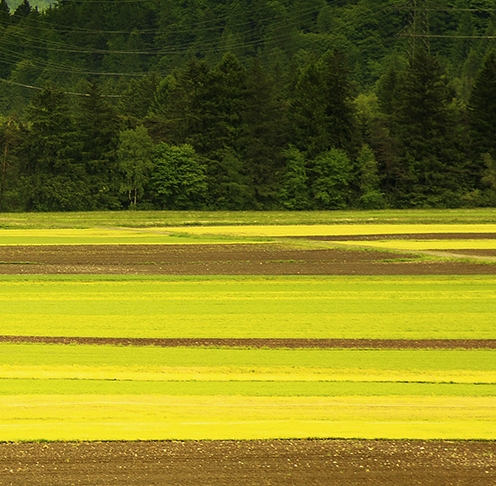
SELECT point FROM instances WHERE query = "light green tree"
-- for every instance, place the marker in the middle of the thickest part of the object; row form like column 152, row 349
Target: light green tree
column 135, row 154
column 294, row 189
column 370, row 196
column 178, row 177
column 331, row 179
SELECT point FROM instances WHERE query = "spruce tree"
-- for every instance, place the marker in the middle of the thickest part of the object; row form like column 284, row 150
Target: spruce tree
column 262, row 134
column 321, row 111
column 482, row 114
column 99, row 127
column 49, row 153
column 423, row 126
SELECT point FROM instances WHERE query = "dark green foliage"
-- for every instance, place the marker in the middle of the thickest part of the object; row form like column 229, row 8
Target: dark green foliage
column 178, row 177
column 5, row 17
column 368, row 181
column 10, row 173
column 322, row 113
column 482, row 109
column 263, row 134
column 49, row 156
column 423, row 126
column 331, row 177
column 287, row 103
column 22, row 12
column 294, row 193
column 99, row 128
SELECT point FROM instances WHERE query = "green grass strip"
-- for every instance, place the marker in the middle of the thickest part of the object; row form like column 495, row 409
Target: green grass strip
column 367, row 361
column 110, row 219
column 10, row 387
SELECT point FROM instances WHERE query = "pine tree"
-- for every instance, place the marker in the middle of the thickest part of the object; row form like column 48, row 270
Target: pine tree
column 99, row 127
column 423, row 125
column 321, row 112
column 262, row 134
column 49, row 154
column 482, row 113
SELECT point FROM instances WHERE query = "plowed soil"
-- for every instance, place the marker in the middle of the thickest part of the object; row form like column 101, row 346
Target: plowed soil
column 254, row 463
column 223, row 259
column 261, row 342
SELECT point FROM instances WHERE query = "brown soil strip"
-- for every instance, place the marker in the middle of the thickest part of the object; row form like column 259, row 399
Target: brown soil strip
column 250, row 463
column 221, row 259
column 263, row 342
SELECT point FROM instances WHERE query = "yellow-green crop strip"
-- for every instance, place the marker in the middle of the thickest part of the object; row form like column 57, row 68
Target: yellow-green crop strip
column 105, row 392
column 220, row 234
column 435, row 307
column 414, row 245
column 116, row 236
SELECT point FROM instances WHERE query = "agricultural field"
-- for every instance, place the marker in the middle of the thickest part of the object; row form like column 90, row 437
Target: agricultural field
column 314, row 347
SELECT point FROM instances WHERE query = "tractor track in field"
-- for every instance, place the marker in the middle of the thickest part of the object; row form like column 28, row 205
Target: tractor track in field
column 274, row 343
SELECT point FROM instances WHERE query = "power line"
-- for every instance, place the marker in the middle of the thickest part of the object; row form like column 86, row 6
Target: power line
column 182, row 48
column 38, row 88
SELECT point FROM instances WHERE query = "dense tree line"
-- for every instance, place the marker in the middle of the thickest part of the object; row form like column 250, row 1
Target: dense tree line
column 246, row 105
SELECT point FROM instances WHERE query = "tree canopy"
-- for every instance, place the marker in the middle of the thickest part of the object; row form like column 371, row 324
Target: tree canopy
column 260, row 104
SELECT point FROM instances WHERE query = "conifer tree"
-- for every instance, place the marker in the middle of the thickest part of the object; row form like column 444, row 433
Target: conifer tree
column 482, row 111
column 423, row 125
column 262, row 134
column 99, row 127
column 321, row 112
column 49, row 153
column 5, row 16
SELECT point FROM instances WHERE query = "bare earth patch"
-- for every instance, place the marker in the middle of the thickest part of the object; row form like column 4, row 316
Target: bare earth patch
column 255, row 463
column 261, row 342
column 224, row 259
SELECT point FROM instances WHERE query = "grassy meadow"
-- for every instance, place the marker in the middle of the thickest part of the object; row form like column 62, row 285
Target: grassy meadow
column 96, row 392
column 151, row 219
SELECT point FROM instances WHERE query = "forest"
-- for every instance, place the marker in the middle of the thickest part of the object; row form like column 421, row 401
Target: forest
column 247, row 104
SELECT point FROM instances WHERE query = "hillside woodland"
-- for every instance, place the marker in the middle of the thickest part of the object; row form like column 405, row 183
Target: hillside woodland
column 247, row 104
